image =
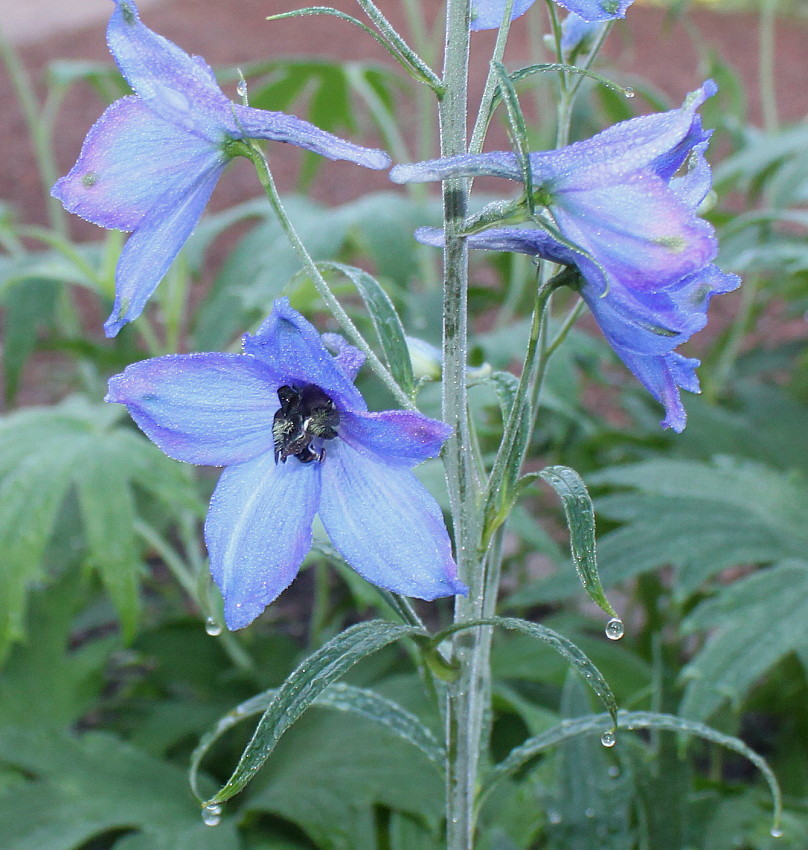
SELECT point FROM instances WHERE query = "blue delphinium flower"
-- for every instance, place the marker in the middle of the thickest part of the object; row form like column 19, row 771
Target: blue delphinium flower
column 488, row 14
column 645, row 258
column 297, row 439
column 150, row 163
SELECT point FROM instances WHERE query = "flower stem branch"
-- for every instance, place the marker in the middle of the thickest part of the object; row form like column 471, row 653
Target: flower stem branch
column 253, row 152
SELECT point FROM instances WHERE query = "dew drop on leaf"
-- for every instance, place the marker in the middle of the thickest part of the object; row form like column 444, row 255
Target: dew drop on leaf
column 212, row 627
column 211, row 815
column 608, row 739
column 628, row 91
column 776, row 832
column 615, row 629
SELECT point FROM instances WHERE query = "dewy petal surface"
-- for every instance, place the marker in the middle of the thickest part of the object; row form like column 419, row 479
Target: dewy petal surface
column 397, row 437
column 179, row 88
column 386, row 525
column 489, row 14
column 130, row 158
column 596, row 10
column 258, row 531
column 293, row 349
column 155, row 243
column 213, row 409
column 280, row 127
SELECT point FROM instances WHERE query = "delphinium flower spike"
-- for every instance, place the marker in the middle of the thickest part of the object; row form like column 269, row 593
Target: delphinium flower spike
column 488, row 14
column 150, row 163
column 297, row 439
column 631, row 228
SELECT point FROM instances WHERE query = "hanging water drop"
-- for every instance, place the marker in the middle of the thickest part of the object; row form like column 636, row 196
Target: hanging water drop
column 241, row 88
column 213, row 627
column 608, row 739
column 212, row 815
column 628, row 91
column 615, row 629
column 776, row 832
column 554, row 816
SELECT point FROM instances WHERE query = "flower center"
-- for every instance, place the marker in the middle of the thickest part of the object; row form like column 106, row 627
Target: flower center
column 306, row 417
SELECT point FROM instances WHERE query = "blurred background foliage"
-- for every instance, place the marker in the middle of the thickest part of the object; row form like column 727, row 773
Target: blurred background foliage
column 114, row 662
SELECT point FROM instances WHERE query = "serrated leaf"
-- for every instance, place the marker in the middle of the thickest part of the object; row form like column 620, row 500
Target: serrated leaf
column 386, row 322
column 78, row 788
column 303, row 686
column 580, row 514
column 754, row 623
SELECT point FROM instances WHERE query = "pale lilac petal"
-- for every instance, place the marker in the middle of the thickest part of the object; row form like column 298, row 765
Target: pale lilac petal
column 294, row 350
column 213, row 409
column 177, row 87
column 130, row 159
column 596, row 10
column 151, row 249
column 494, row 164
column 694, row 186
column 397, row 437
column 489, row 14
column 386, row 525
column 280, row 127
column 349, row 358
column 258, row 531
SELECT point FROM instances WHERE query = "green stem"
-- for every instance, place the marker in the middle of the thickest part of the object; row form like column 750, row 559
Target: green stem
column 256, row 155
column 466, row 697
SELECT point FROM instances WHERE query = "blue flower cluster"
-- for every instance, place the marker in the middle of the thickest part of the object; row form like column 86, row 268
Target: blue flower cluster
column 284, row 416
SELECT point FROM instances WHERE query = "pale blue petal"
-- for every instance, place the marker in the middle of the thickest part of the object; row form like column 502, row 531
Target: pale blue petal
column 130, row 158
column 386, row 525
column 349, row 358
column 280, row 127
column 294, row 350
column 694, row 186
column 213, row 409
column 178, row 87
column 397, row 437
column 489, row 14
column 495, row 164
column 596, row 10
column 155, row 243
column 578, row 35
column 258, row 531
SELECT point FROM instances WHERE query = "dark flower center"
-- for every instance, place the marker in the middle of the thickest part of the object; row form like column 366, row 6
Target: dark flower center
column 306, row 417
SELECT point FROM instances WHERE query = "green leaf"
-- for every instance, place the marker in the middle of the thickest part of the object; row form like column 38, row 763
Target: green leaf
column 753, row 623
column 517, row 130
column 521, row 756
column 385, row 321
column 563, row 646
column 340, row 697
column 301, row 689
column 78, row 788
column 570, row 488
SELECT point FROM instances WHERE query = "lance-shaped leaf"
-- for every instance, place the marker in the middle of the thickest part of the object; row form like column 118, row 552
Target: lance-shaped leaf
column 570, row 488
column 563, row 646
column 305, row 684
column 339, row 697
column 521, row 756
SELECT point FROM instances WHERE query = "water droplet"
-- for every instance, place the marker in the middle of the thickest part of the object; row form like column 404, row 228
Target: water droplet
column 553, row 816
column 211, row 815
column 615, row 629
column 589, row 813
column 89, row 179
column 628, row 91
column 608, row 739
column 614, row 771
column 241, row 88
column 213, row 627
column 776, row 832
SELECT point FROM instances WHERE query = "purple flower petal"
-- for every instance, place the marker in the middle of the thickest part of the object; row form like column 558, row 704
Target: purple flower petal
column 396, row 437
column 155, row 243
column 596, row 10
column 386, row 525
column 130, row 158
column 259, row 124
column 293, row 349
column 213, row 409
column 349, row 358
column 258, row 531
column 179, row 88
column 489, row 14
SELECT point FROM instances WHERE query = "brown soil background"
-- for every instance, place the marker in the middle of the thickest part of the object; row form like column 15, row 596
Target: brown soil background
column 229, row 32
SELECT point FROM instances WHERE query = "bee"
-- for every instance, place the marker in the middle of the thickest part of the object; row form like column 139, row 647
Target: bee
column 305, row 415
